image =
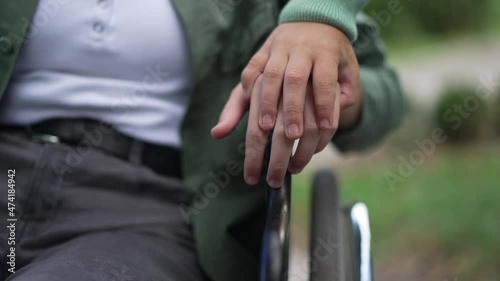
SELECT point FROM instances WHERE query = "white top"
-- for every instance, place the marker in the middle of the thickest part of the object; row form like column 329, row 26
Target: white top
column 123, row 62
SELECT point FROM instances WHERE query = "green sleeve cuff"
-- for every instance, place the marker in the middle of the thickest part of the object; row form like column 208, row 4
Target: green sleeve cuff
column 338, row 13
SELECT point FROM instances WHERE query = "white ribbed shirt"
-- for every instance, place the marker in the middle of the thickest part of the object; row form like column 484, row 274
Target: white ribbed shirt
column 124, row 62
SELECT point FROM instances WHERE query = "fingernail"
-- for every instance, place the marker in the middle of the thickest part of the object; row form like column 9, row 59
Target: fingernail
column 324, row 124
column 293, row 130
column 252, row 180
column 274, row 183
column 267, row 120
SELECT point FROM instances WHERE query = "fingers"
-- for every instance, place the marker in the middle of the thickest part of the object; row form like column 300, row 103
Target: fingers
column 281, row 150
column 324, row 87
column 275, row 83
column 233, row 111
column 351, row 97
column 327, row 135
column 309, row 141
column 254, row 68
column 256, row 139
column 348, row 78
column 271, row 89
column 297, row 75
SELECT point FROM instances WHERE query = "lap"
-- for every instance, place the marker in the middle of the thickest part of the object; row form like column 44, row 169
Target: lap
column 113, row 256
column 93, row 217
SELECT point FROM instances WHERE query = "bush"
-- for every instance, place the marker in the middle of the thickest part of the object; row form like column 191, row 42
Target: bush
column 449, row 16
column 496, row 115
column 461, row 114
column 435, row 17
column 395, row 26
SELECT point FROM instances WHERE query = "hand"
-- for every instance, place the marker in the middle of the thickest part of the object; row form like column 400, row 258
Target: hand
column 312, row 141
column 309, row 54
column 294, row 54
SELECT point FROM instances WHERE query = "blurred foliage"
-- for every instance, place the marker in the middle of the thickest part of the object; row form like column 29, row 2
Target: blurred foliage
column 402, row 20
column 496, row 114
column 460, row 113
column 449, row 16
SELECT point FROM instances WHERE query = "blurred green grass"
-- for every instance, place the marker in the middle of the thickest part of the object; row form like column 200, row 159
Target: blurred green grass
column 450, row 206
column 405, row 36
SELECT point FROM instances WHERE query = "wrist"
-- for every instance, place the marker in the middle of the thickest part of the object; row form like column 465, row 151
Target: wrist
column 339, row 14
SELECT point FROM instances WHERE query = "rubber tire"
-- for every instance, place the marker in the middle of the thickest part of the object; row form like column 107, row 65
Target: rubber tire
column 326, row 253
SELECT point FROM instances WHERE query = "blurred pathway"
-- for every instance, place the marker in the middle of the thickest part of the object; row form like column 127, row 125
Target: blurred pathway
column 424, row 76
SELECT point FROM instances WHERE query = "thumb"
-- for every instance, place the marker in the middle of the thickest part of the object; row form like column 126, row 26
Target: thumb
column 349, row 94
column 231, row 115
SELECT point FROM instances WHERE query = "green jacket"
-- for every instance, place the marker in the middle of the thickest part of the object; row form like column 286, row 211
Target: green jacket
column 227, row 214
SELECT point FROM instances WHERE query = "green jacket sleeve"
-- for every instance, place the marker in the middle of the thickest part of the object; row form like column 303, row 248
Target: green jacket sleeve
column 383, row 102
column 338, row 13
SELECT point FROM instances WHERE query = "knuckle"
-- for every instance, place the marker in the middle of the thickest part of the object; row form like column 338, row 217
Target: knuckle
column 296, row 77
column 346, row 50
column 250, row 154
column 254, row 133
column 323, row 107
column 267, row 105
column 277, row 168
column 251, row 162
column 328, row 47
column 272, row 73
column 292, row 111
column 255, row 138
column 252, row 69
column 337, row 48
column 247, row 75
column 326, row 83
column 281, row 40
column 255, row 62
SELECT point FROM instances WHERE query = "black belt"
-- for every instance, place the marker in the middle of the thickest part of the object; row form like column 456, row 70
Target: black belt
column 161, row 159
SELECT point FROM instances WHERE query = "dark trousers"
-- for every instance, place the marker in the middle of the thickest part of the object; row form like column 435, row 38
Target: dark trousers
column 86, row 215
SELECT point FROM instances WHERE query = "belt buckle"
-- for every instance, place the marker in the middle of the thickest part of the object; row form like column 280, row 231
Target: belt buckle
column 44, row 138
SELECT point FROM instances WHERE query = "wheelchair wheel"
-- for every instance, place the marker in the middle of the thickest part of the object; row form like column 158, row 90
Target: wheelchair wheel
column 326, row 253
